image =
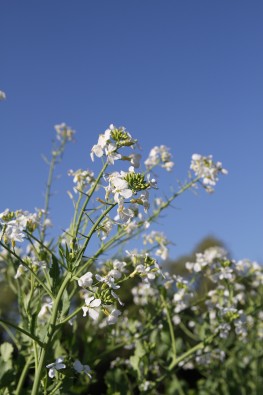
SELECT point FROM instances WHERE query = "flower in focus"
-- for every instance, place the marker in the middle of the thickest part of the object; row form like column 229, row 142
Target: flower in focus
column 57, row 365
column 85, row 280
column 91, row 303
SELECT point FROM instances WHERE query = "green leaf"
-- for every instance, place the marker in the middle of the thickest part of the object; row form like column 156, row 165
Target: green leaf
column 6, row 351
column 55, row 274
column 65, row 303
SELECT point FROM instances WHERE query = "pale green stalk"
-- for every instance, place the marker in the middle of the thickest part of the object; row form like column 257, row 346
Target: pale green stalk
column 171, row 329
column 94, row 186
column 28, row 334
column 29, row 268
column 49, row 336
column 22, row 378
column 55, row 156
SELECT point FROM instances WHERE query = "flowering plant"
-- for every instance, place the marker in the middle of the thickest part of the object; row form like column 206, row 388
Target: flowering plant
column 87, row 321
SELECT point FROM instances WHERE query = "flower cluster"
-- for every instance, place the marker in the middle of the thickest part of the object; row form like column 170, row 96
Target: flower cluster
column 207, row 170
column 64, row 132
column 149, row 320
column 82, row 179
column 14, row 223
column 109, row 142
column 159, row 156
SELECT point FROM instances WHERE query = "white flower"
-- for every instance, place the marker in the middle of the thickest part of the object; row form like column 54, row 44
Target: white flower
column 91, row 303
column 82, row 178
column 98, row 149
column 2, row 95
column 144, row 197
column 124, row 214
column 45, row 310
column 82, row 368
column 113, row 317
column 57, row 365
column 14, row 232
column 135, row 160
column 20, row 271
column 85, row 280
column 120, row 188
column 107, row 280
column 159, row 155
column 111, row 153
column 205, row 168
column 64, row 132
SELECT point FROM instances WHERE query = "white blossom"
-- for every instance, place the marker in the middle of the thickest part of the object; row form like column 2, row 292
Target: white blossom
column 85, row 280
column 205, row 168
column 53, row 367
column 64, row 132
column 113, row 317
column 89, row 308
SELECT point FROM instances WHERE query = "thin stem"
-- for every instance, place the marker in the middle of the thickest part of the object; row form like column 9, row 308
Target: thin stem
column 72, row 315
column 10, row 334
column 55, row 389
column 96, row 224
column 192, row 350
column 49, row 336
column 23, row 375
column 28, row 334
column 171, row 329
column 29, row 268
column 88, row 198
column 55, row 155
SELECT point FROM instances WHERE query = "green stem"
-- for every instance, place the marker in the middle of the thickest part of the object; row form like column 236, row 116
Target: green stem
column 28, row 334
column 55, row 389
column 192, row 350
column 29, row 268
column 23, row 376
column 72, row 315
column 55, row 158
column 88, row 199
column 10, row 334
column 49, row 336
column 171, row 329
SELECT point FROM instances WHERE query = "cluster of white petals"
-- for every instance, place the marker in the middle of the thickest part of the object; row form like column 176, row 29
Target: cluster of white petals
column 55, row 366
column 207, row 170
column 109, row 142
column 13, row 224
column 64, row 132
column 86, row 280
column 159, row 155
column 82, row 179
column 90, row 307
column 118, row 186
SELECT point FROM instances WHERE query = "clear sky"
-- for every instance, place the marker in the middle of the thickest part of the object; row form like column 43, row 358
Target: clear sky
column 187, row 74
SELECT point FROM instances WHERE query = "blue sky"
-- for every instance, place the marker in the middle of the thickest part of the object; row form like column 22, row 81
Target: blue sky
column 187, row 74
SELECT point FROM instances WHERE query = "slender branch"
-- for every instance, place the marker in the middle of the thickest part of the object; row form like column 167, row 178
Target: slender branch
column 171, row 329
column 29, row 268
column 23, row 375
column 23, row 331
column 49, row 335
column 89, row 197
